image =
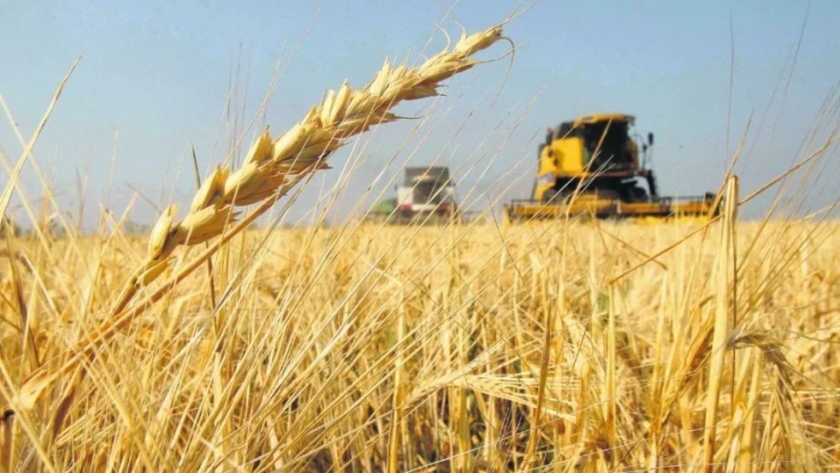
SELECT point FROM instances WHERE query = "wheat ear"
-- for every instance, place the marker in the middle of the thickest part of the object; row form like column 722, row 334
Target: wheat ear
column 271, row 168
column 302, row 149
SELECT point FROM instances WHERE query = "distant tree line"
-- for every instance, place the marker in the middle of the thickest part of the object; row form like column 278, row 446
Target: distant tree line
column 52, row 228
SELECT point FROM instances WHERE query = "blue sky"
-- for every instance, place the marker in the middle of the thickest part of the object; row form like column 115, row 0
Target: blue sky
column 158, row 77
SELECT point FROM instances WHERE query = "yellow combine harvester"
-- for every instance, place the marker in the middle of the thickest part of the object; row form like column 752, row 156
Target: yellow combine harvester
column 591, row 166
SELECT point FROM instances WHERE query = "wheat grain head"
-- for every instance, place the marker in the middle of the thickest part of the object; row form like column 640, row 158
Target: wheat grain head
column 304, row 147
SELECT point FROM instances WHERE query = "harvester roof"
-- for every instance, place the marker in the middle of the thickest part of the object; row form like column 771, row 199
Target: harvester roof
column 566, row 128
column 414, row 175
column 604, row 117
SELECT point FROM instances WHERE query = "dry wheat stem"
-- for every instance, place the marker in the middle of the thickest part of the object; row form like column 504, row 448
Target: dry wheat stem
column 6, row 196
column 269, row 171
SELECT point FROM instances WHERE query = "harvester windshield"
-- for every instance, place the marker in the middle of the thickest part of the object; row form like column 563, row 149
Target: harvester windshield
column 429, row 184
column 429, row 193
column 606, row 146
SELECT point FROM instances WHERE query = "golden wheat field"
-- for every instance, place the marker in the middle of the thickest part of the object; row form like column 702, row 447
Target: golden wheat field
column 554, row 347
column 212, row 344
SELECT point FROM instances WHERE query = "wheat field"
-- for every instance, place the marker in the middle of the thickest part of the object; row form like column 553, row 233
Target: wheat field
column 208, row 345
column 467, row 348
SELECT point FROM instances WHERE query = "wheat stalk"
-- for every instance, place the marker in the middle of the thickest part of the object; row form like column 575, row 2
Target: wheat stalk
column 270, row 169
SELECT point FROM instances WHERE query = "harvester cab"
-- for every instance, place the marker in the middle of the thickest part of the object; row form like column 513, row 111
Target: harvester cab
column 426, row 189
column 594, row 152
column 598, row 165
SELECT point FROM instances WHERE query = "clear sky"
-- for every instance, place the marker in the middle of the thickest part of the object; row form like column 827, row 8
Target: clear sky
column 157, row 77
